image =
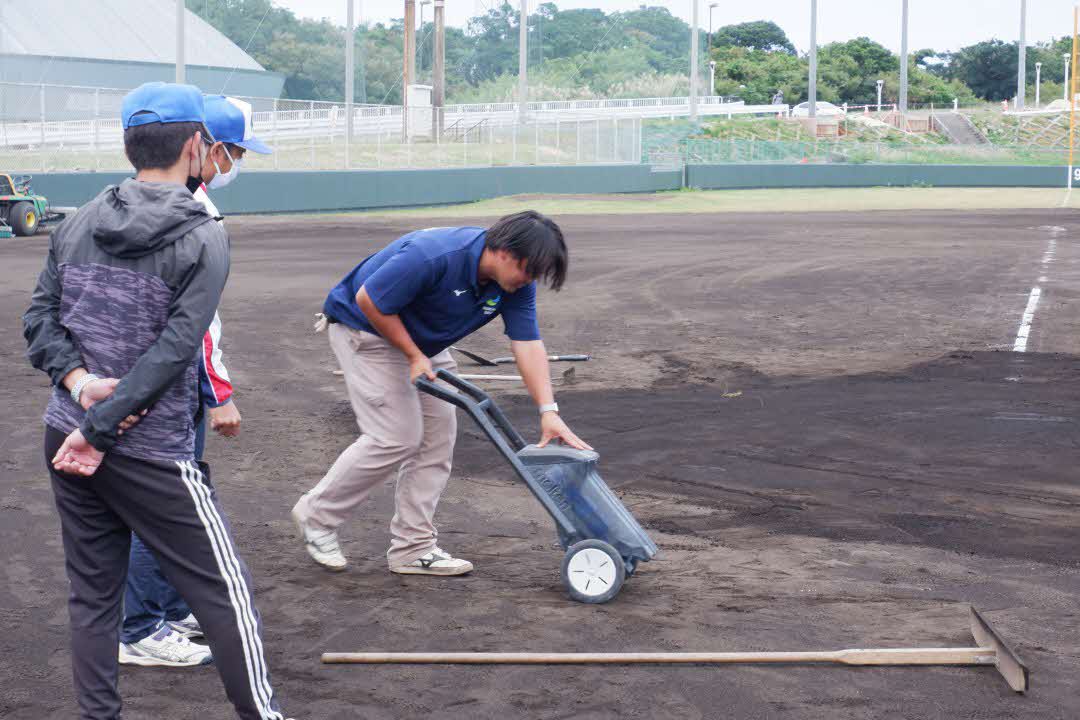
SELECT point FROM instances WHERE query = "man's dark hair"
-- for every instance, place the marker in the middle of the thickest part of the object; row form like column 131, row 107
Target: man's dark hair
column 536, row 239
column 158, row 145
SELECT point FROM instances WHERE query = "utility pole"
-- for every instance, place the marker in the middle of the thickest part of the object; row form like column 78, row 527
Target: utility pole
column 408, row 75
column 812, row 90
column 523, row 61
column 904, row 63
column 1021, row 71
column 350, row 70
column 438, row 71
column 410, row 43
column 180, row 10
column 694, row 62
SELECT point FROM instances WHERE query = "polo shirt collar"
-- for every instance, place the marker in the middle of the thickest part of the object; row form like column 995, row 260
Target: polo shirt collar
column 476, row 250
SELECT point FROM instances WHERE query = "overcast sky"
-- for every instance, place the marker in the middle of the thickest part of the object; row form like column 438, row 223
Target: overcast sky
column 940, row 24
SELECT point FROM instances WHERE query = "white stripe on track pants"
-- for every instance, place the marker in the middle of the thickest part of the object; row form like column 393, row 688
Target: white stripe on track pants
column 173, row 508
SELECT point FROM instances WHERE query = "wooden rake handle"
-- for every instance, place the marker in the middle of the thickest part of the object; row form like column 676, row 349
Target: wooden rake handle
column 901, row 656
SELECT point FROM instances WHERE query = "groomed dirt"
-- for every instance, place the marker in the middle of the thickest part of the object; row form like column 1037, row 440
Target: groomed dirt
column 818, row 418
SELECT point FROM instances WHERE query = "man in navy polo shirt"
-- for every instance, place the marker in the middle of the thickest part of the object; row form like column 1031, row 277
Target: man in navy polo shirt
column 392, row 319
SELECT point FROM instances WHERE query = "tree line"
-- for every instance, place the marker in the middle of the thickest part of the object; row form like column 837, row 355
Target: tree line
column 584, row 53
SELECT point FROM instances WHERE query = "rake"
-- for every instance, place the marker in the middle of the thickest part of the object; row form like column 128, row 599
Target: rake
column 990, row 650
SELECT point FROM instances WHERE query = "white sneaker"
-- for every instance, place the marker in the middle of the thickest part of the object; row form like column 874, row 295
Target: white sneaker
column 165, row 648
column 436, row 562
column 188, row 627
column 322, row 545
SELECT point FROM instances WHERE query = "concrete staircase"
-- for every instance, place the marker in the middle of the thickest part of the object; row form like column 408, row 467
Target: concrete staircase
column 959, row 129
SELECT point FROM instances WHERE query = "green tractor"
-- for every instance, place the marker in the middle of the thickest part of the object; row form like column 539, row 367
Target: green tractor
column 21, row 209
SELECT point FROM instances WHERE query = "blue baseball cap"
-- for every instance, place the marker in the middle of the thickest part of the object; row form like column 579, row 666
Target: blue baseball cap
column 158, row 102
column 229, row 120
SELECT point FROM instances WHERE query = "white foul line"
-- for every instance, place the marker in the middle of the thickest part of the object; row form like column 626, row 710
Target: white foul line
column 1020, row 345
column 1025, row 323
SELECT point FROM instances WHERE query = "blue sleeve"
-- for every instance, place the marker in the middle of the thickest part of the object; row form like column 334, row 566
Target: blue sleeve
column 400, row 279
column 519, row 314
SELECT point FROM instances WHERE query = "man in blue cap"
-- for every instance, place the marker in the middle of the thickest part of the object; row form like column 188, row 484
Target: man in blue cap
column 158, row 624
column 129, row 289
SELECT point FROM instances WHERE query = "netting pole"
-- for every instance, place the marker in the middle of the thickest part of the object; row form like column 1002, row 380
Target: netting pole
column 1072, row 97
column 311, row 131
column 41, row 102
column 273, row 132
column 97, row 117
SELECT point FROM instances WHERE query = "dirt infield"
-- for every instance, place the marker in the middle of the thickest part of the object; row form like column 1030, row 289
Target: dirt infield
column 819, row 419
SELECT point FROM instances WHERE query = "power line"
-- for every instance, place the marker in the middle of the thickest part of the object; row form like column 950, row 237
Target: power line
column 269, row 7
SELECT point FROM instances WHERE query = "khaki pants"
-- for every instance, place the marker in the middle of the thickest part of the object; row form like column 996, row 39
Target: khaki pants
column 404, row 431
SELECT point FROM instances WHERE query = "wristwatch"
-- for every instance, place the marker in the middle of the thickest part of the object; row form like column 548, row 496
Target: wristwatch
column 81, row 383
column 550, row 407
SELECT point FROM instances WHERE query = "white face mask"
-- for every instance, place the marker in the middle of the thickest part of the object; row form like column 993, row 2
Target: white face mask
column 222, row 179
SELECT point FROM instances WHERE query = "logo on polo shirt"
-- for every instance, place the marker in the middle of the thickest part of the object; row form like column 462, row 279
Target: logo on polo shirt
column 492, row 305
column 459, row 293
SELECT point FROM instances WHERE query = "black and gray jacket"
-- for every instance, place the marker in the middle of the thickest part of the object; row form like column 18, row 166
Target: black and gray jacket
column 128, row 291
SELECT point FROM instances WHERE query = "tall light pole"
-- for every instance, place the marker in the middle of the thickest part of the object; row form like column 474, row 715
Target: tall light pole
column 812, row 90
column 180, row 10
column 903, row 61
column 1022, row 69
column 350, row 70
column 408, row 75
column 1038, row 82
column 880, row 85
column 712, row 78
column 708, row 39
column 1066, row 91
column 694, row 61
column 438, row 70
column 523, row 60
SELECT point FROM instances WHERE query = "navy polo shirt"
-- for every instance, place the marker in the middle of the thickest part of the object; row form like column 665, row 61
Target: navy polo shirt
column 428, row 279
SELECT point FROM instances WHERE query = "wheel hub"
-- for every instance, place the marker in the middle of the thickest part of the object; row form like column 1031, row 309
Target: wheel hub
column 591, row 571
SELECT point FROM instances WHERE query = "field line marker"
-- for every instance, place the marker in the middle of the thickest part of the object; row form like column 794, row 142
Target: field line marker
column 1025, row 322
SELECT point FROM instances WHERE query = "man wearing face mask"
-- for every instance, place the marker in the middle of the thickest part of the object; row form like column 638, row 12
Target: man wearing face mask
column 158, row 624
column 129, row 288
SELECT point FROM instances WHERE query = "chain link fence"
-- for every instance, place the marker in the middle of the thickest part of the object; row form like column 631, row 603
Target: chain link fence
column 48, row 128
column 712, row 151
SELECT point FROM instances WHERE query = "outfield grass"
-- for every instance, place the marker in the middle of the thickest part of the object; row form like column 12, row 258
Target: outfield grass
column 725, row 201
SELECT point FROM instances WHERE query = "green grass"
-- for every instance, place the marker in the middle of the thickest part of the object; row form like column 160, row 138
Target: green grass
column 752, row 201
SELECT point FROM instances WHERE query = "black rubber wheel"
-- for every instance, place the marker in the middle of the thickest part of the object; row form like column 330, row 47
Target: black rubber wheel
column 593, row 571
column 23, row 219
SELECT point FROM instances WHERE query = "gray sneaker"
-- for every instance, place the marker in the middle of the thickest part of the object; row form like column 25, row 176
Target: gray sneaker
column 188, row 627
column 436, row 562
column 321, row 545
column 165, row 648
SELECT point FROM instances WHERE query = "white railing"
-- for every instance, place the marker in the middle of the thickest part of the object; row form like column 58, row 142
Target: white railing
column 315, row 139
column 48, row 127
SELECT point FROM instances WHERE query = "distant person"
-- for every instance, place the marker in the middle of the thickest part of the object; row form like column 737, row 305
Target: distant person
column 117, row 319
column 778, row 98
column 392, row 319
